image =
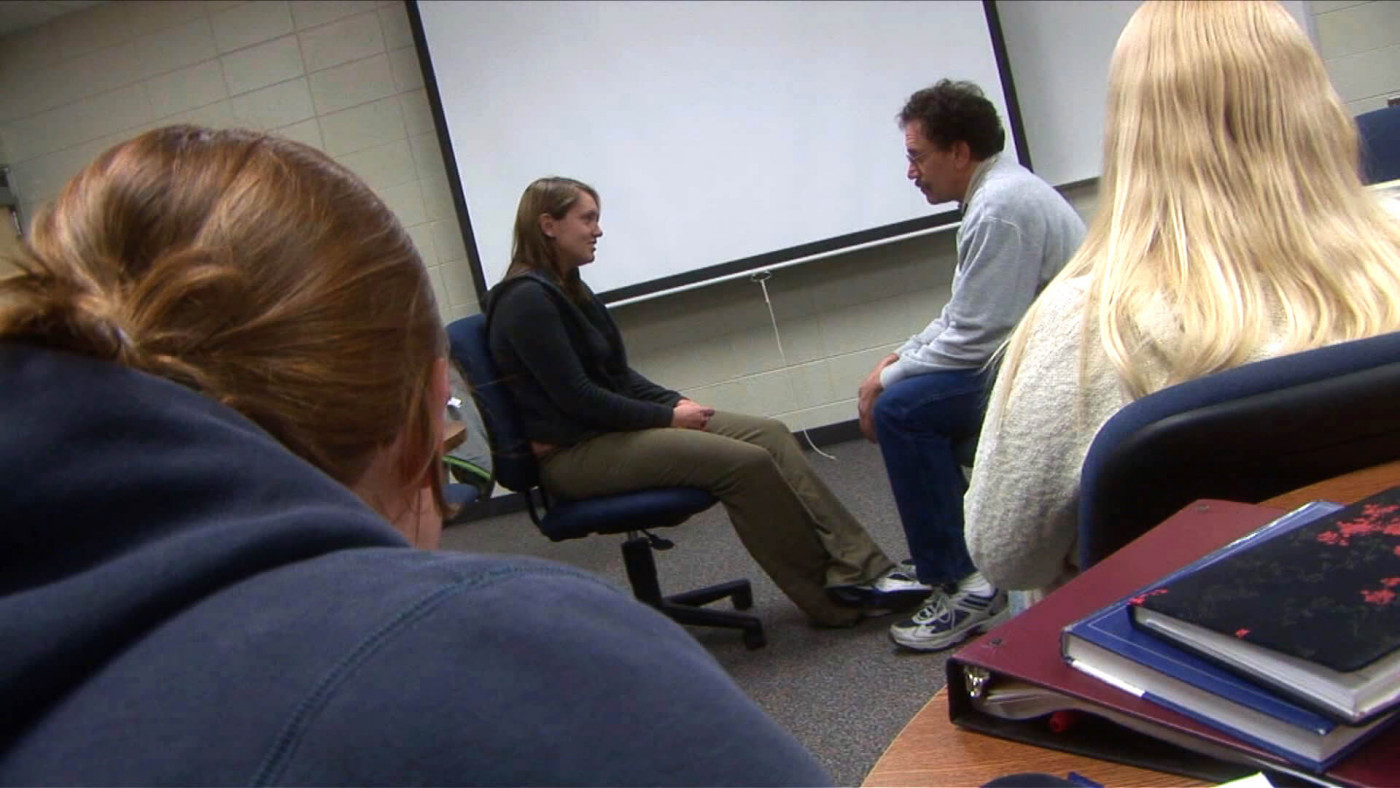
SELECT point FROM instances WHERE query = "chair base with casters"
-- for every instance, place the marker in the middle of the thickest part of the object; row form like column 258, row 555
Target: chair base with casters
column 632, row 514
column 688, row 607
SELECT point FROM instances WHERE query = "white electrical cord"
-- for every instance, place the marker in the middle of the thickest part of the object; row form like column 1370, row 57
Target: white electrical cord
column 762, row 277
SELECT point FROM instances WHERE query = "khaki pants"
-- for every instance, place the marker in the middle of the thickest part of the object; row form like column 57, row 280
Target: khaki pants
column 791, row 523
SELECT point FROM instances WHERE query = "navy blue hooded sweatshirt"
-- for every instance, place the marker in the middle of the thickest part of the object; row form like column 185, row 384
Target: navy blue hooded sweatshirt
column 183, row 601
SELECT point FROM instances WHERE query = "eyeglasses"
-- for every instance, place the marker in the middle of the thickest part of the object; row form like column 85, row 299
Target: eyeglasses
column 915, row 159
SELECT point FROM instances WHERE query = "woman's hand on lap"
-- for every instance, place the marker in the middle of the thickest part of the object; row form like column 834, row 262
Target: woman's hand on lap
column 689, row 416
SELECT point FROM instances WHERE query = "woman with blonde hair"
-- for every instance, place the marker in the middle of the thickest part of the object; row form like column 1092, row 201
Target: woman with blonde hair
column 600, row 428
column 1232, row 226
column 223, row 381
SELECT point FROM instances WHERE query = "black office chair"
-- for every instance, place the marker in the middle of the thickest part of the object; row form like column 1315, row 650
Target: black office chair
column 1245, row 434
column 629, row 513
column 1380, row 144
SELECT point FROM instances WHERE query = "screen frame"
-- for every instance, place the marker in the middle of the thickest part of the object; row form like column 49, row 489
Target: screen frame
column 820, row 249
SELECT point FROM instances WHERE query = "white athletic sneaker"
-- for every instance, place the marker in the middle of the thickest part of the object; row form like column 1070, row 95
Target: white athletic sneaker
column 946, row 620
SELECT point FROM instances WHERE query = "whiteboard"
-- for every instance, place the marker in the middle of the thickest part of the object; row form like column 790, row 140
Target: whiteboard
column 1060, row 52
column 719, row 134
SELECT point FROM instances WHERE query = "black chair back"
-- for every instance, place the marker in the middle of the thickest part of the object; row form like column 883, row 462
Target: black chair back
column 1380, row 144
column 1245, row 434
column 512, row 460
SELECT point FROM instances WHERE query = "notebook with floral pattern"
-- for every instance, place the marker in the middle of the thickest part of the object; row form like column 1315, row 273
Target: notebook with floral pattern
column 1314, row 611
column 1328, row 592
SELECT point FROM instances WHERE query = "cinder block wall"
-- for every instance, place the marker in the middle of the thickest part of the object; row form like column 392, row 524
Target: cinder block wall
column 1360, row 42
column 342, row 75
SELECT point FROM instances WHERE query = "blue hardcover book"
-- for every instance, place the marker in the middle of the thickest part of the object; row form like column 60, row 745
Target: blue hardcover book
column 1109, row 647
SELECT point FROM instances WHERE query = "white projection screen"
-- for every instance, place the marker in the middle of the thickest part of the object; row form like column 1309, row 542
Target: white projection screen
column 1060, row 52
column 721, row 136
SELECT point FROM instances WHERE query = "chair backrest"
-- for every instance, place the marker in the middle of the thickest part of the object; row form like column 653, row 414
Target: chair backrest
column 512, row 460
column 1245, row 434
column 1380, row 144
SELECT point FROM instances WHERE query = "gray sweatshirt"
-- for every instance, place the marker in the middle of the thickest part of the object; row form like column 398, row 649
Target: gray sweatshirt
column 1017, row 232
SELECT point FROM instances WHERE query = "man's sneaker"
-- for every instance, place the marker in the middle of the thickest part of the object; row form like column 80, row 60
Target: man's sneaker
column 896, row 589
column 947, row 620
column 899, row 588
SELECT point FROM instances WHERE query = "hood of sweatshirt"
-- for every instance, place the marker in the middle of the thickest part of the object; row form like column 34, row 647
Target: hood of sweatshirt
column 125, row 499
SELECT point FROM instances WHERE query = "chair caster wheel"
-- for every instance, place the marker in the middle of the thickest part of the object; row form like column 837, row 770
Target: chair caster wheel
column 743, row 599
column 754, row 639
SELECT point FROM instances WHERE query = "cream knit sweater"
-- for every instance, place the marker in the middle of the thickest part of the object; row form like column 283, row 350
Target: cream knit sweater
column 1022, row 508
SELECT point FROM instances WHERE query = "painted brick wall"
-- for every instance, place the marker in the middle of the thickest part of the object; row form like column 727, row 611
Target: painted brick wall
column 341, row 75
column 1360, row 41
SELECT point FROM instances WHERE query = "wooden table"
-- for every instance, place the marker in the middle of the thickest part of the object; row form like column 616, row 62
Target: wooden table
column 932, row 751
column 1347, row 488
column 454, row 435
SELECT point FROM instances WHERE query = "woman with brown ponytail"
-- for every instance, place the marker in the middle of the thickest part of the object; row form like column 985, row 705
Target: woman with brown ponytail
column 221, row 380
column 264, row 276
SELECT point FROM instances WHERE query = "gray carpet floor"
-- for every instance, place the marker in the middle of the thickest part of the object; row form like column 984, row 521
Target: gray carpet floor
column 845, row 694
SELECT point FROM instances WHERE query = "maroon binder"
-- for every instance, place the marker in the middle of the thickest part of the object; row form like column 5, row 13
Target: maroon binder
column 1027, row 648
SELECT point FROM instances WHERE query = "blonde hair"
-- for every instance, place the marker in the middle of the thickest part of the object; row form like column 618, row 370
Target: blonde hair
column 254, row 270
column 1230, row 194
column 530, row 249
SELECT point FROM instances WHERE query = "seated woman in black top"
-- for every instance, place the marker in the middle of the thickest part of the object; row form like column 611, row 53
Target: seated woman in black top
column 601, row 428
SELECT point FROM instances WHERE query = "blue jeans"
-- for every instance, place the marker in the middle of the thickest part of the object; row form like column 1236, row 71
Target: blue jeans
column 921, row 421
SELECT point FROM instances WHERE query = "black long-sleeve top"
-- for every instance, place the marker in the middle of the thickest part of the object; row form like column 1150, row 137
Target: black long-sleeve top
column 566, row 366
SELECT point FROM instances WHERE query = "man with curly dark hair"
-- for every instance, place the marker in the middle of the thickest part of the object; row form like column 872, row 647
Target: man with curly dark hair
column 924, row 401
